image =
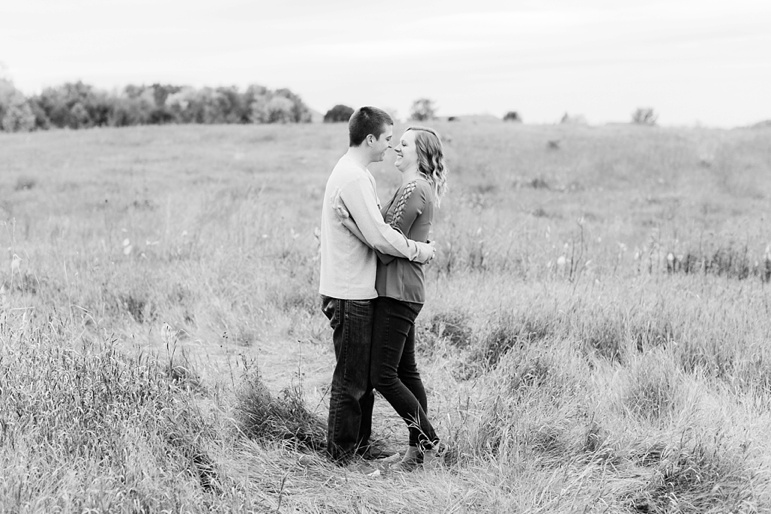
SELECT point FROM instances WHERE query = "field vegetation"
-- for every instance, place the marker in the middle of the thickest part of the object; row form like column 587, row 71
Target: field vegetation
column 596, row 337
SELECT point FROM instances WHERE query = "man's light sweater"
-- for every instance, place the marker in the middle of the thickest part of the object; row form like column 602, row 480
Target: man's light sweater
column 348, row 266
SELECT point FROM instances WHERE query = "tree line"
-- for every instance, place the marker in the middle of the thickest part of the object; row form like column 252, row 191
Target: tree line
column 78, row 105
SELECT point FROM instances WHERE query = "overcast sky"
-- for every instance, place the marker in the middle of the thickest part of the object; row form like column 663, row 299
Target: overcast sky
column 693, row 61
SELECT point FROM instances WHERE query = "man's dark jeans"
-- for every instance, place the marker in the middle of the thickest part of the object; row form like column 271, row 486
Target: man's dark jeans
column 394, row 372
column 352, row 398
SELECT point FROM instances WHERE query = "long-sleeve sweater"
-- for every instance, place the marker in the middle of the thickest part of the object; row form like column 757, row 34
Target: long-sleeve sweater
column 411, row 211
column 348, row 266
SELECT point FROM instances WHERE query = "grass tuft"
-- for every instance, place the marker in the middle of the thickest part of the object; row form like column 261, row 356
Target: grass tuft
column 652, row 391
column 602, row 333
column 284, row 419
column 452, row 326
column 731, row 261
column 550, row 441
column 511, row 331
column 697, row 479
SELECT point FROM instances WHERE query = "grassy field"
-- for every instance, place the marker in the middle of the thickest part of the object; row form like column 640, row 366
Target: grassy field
column 596, row 337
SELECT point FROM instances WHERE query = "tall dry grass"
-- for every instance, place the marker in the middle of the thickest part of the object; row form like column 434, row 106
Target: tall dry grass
column 595, row 338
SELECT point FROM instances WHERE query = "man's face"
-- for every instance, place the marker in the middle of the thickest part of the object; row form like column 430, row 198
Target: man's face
column 381, row 145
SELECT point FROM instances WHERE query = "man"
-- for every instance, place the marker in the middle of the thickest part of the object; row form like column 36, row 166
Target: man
column 347, row 282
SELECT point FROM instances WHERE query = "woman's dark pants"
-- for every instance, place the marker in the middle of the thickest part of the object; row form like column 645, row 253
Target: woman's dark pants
column 394, row 372
column 351, row 398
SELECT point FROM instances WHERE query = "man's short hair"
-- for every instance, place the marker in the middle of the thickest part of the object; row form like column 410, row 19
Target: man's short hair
column 366, row 121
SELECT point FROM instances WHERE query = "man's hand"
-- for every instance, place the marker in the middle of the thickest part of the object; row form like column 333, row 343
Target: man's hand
column 339, row 206
column 426, row 252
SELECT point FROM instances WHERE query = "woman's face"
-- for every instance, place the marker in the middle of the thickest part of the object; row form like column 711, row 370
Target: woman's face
column 406, row 152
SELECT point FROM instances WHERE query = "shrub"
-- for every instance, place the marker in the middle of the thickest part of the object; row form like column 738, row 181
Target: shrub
column 644, row 116
column 338, row 113
column 512, row 116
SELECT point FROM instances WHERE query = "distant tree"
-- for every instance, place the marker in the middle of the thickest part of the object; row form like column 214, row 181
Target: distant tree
column 281, row 106
column 181, row 105
column 79, row 116
column 100, row 108
column 134, row 106
column 160, row 114
column 53, row 102
column 78, row 105
column 423, row 109
column 300, row 111
column 258, row 110
column 123, row 113
column 15, row 111
column 72, row 105
column 644, row 116
column 191, row 105
column 257, row 98
column 279, row 110
column 229, row 106
column 512, row 116
column 208, row 110
column 161, row 93
column 133, row 91
column 41, row 119
column 338, row 113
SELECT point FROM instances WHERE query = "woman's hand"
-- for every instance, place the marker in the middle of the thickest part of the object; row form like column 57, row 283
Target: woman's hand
column 339, row 206
column 341, row 211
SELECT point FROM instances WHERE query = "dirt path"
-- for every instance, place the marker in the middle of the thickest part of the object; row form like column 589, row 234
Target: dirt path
column 282, row 364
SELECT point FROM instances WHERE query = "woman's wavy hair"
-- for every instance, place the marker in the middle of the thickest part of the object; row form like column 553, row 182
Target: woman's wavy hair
column 431, row 159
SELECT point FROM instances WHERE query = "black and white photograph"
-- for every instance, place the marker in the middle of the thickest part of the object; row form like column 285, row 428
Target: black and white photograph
column 371, row 258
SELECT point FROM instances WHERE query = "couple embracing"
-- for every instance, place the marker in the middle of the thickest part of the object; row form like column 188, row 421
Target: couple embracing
column 372, row 285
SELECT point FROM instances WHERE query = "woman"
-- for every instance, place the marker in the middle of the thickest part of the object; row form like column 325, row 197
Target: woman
column 401, row 290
